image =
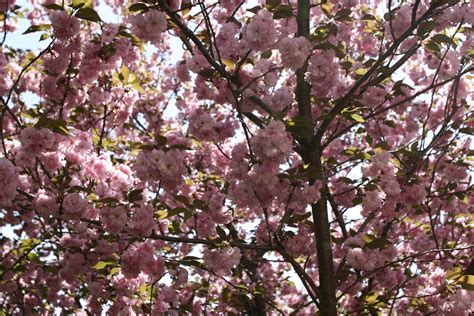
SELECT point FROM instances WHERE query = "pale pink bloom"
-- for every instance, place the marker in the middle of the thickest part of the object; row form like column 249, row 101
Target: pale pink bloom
column 261, row 34
column 149, row 26
column 64, row 25
column 294, row 51
column 9, row 182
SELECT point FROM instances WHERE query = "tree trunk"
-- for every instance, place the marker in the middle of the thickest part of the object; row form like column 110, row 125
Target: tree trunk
column 311, row 153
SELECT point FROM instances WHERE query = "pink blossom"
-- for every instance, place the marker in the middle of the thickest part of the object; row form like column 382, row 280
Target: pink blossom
column 301, row 244
column 45, row 203
column 64, row 25
column 221, row 261
column 149, row 26
column 8, row 182
column 36, row 141
column 260, row 33
column 74, row 205
column 113, row 218
column 358, row 259
column 272, row 142
column 372, row 201
column 294, row 51
column 159, row 165
column 110, row 30
column 142, row 221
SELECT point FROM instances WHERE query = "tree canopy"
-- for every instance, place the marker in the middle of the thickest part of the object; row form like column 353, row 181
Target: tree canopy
column 237, row 157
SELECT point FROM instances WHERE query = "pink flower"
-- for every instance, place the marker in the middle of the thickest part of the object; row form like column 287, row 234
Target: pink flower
column 35, row 141
column 8, row 182
column 149, row 26
column 360, row 260
column 114, row 219
column 221, row 261
column 374, row 96
column 372, row 201
column 64, row 25
column 108, row 33
column 273, row 142
column 140, row 257
column 229, row 47
column 142, row 221
column 261, row 34
column 74, row 205
column 158, row 165
column 301, row 244
column 45, row 203
column 202, row 125
column 294, row 51
column 281, row 99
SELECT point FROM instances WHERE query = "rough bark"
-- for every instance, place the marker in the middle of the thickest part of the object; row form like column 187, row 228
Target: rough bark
column 312, row 154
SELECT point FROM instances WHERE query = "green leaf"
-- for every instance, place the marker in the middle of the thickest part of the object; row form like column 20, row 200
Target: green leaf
column 186, row 7
column 361, row 71
column 181, row 198
column 441, row 38
column 454, row 274
column 296, row 218
column 88, row 14
column 53, row 6
column 467, row 130
column 138, row 7
column 162, row 214
column 145, row 291
column 356, row 201
column 44, row 36
column 101, row 265
column 390, row 123
column 200, row 204
column 357, row 118
column 255, row 9
column 373, row 242
column 300, row 126
column 433, row 47
column 28, row 244
column 108, row 200
column 282, row 12
column 193, row 263
column 327, row 6
column 114, row 271
column 36, row 28
column 368, row 17
column 425, row 28
column 229, row 64
column 222, row 234
column 161, row 140
column 77, row 4
column 125, row 72
column 135, row 195
column 343, row 15
column 77, row 188
column 136, row 86
column 267, row 54
column 466, row 282
column 58, row 126
column 323, row 32
column 369, row 139
column 271, row 4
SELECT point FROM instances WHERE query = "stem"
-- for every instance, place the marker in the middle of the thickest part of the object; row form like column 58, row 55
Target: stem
column 303, row 89
column 327, row 282
column 312, row 154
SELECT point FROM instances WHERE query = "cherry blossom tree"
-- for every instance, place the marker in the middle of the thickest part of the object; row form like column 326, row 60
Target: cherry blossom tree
column 237, row 157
